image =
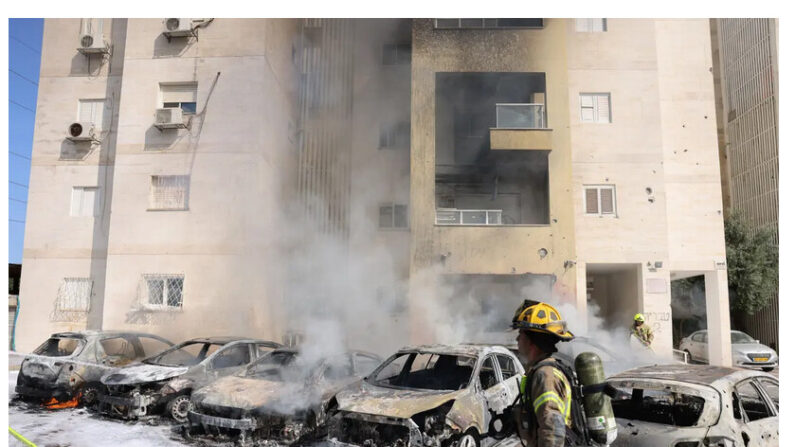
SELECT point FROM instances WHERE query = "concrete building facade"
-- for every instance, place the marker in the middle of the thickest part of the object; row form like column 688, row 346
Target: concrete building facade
column 570, row 160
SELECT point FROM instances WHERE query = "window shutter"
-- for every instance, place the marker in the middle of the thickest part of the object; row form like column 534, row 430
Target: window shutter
column 385, row 216
column 88, row 205
column 169, row 192
column 591, row 200
column 77, row 200
column 606, row 199
column 178, row 93
column 603, row 107
column 401, row 216
column 581, row 25
column 597, row 25
column 587, row 108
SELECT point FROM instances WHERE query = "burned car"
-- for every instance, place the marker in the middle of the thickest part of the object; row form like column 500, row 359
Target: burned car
column 69, row 365
column 282, row 396
column 428, row 396
column 163, row 383
column 695, row 405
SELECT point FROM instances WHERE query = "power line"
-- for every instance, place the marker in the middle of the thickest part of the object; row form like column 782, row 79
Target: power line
column 18, row 184
column 15, row 220
column 24, row 107
column 17, row 200
column 24, row 44
column 24, row 77
column 19, row 155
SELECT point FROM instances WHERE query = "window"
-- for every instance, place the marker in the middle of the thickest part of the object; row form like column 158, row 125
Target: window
column 752, row 402
column 771, row 388
column 169, row 192
column 396, row 54
column 152, row 346
column 507, row 366
column 74, row 295
column 181, row 96
column 85, row 201
column 488, row 374
column 394, row 136
column 393, row 216
column 600, row 200
column 595, row 108
column 364, row 364
column 237, row 355
column 92, row 111
column 118, row 351
column 487, row 23
column 590, row 25
column 164, row 291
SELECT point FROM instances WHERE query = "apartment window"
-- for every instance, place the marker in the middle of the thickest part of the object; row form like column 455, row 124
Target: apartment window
column 91, row 111
column 169, row 192
column 590, row 25
column 394, row 135
column 396, row 54
column 74, row 295
column 181, row 96
column 85, row 201
column 163, row 291
column 595, row 108
column 391, row 215
column 600, row 200
column 487, row 23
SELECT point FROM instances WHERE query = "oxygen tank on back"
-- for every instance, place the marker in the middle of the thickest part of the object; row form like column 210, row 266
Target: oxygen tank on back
column 598, row 407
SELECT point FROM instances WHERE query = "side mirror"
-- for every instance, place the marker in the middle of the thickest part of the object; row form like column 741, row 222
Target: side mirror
column 756, row 341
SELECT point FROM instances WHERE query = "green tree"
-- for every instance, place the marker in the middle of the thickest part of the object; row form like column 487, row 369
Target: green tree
column 752, row 262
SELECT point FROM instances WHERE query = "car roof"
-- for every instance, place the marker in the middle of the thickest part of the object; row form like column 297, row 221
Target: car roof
column 467, row 349
column 93, row 333
column 693, row 374
column 222, row 340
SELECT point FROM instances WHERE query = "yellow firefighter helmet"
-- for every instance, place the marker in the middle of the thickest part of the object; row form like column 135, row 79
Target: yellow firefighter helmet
column 535, row 316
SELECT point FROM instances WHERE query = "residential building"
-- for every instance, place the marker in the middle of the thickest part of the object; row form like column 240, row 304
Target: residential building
column 745, row 67
column 455, row 164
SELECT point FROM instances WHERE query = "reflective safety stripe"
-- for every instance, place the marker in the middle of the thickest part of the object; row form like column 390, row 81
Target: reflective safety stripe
column 567, row 411
column 546, row 397
column 523, row 385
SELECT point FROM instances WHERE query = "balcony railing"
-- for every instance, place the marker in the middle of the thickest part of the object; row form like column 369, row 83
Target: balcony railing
column 521, row 116
column 452, row 216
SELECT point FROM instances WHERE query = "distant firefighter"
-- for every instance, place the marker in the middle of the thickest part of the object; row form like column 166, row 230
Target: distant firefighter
column 642, row 332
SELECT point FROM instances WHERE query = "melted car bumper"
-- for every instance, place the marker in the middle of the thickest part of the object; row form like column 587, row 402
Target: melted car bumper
column 217, row 421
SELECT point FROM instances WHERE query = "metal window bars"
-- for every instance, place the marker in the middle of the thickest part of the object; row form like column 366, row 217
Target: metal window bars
column 161, row 291
column 73, row 301
column 453, row 216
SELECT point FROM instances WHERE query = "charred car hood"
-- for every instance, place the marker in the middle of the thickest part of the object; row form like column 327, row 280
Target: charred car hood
column 248, row 394
column 392, row 402
column 135, row 374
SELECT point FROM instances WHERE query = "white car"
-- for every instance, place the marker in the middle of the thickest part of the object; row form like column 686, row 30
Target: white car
column 695, row 406
column 745, row 350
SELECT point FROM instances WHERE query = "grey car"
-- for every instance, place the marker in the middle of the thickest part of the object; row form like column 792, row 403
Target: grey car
column 695, row 405
column 745, row 350
column 163, row 383
column 69, row 365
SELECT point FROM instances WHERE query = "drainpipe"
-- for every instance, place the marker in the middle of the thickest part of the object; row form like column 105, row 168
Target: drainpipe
column 14, row 328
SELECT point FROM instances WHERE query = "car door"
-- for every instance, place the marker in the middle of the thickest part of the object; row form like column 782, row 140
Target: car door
column 493, row 385
column 757, row 419
column 229, row 359
column 699, row 346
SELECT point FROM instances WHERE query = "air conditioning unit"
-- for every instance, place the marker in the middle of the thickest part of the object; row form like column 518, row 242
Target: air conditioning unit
column 92, row 42
column 81, row 131
column 169, row 118
column 178, row 27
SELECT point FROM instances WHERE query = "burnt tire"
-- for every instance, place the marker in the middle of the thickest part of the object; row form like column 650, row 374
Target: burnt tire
column 89, row 395
column 178, row 408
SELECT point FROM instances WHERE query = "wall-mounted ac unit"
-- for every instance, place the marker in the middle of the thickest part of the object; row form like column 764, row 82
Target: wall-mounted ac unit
column 81, row 131
column 178, row 27
column 169, row 118
column 92, row 43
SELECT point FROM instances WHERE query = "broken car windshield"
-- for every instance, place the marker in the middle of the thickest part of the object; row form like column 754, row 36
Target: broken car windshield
column 185, row 354
column 277, row 366
column 425, row 371
column 60, row 347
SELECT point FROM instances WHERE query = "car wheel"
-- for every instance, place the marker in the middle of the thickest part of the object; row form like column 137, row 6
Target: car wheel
column 179, row 407
column 89, row 396
column 768, row 368
column 467, row 440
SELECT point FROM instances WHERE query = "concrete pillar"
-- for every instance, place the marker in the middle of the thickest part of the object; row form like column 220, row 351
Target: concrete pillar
column 716, row 284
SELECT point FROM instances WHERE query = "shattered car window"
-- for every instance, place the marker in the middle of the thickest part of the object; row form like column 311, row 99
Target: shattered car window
column 184, row 354
column 273, row 366
column 118, row 350
column 771, row 388
column 425, row 371
column 60, row 347
column 658, row 406
column 752, row 402
column 152, row 346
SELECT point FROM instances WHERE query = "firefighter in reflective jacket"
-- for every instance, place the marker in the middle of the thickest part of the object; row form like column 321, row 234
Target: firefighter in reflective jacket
column 546, row 396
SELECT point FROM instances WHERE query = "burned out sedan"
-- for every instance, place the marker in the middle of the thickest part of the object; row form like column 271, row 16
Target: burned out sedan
column 283, row 396
column 68, row 366
column 695, row 406
column 428, row 396
column 163, row 383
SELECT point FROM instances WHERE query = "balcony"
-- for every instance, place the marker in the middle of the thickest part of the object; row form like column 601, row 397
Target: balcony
column 452, row 216
column 521, row 127
column 521, row 116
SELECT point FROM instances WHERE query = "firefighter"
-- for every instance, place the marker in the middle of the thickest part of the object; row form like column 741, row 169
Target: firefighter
column 544, row 415
column 642, row 331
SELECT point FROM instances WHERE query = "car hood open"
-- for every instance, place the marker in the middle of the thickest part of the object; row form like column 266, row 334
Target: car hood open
column 364, row 397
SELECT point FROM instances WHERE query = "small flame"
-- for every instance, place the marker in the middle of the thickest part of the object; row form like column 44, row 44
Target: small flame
column 53, row 403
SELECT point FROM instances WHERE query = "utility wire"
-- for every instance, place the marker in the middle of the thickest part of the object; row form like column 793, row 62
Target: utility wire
column 19, row 155
column 15, row 220
column 24, row 77
column 17, row 200
column 24, row 44
column 24, row 107
column 18, row 184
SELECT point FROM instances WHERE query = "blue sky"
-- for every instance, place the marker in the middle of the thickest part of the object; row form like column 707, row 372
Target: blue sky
column 24, row 57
